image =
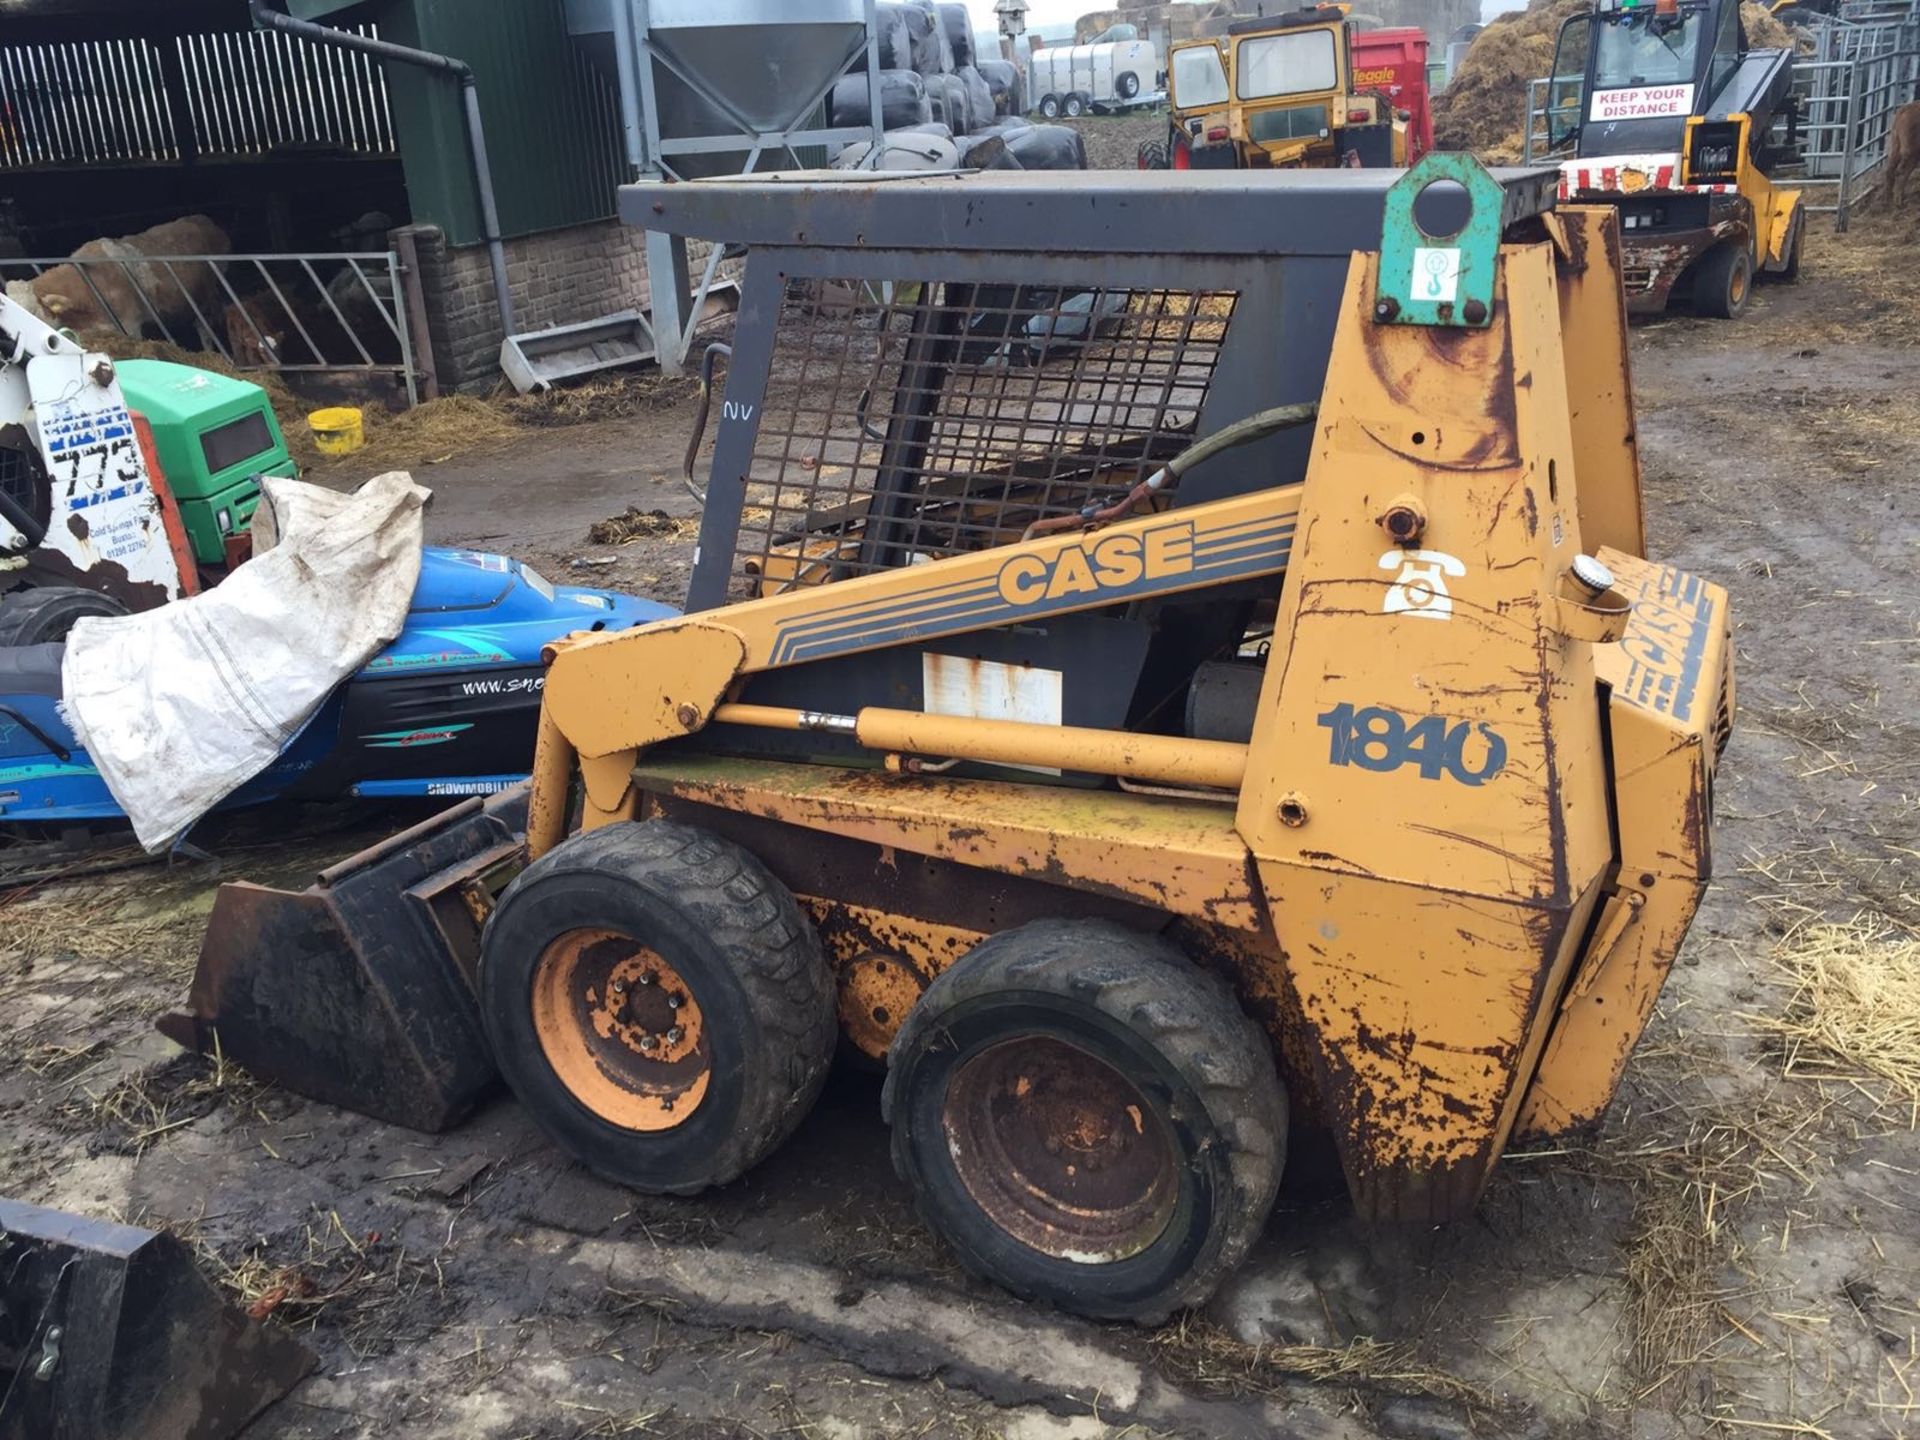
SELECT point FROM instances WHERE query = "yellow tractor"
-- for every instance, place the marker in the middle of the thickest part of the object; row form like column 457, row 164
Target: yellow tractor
column 1146, row 699
column 1293, row 91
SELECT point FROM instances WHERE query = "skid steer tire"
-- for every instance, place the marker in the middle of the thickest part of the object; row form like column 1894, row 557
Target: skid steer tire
column 1087, row 1039
column 661, row 938
column 1724, row 281
column 45, row 614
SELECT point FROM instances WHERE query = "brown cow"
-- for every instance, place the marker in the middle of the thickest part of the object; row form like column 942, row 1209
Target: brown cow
column 257, row 331
column 261, row 332
column 115, row 298
column 1903, row 150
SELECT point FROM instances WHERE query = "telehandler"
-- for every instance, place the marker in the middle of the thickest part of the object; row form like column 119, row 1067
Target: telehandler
column 1253, row 710
column 1671, row 117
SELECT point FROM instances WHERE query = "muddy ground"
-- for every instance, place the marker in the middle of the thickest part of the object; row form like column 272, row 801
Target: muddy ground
column 1113, row 141
column 1738, row 1251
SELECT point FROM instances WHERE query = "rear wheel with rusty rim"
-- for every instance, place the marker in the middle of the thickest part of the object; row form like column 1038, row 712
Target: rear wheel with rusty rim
column 1088, row 1119
column 659, row 1002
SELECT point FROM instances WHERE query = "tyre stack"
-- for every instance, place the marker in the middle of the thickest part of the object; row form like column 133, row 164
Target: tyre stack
column 942, row 106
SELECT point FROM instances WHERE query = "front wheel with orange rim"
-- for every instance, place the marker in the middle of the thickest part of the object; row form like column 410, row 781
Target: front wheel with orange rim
column 1088, row 1119
column 659, row 1002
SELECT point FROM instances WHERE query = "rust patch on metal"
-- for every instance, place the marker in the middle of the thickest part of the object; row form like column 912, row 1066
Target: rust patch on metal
column 1060, row 1150
column 1462, row 382
column 1183, row 858
column 882, row 963
column 109, row 577
column 1573, row 244
column 621, row 1029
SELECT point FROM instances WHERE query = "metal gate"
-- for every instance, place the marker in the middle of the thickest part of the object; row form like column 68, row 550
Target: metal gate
column 1865, row 66
column 313, row 313
column 1547, row 97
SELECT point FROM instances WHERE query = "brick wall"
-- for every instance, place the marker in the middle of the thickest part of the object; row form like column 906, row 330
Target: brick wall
column 557, row 277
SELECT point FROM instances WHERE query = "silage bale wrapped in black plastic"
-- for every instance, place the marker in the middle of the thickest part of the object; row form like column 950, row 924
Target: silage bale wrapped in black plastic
column 980, row 108
column 984, row 152
column 891, row 29
column 932, row 55
column 948, row 97
column 1048, row 147
column 959, row 26
column 903, row 101
column 902, row 150
column 999, row 75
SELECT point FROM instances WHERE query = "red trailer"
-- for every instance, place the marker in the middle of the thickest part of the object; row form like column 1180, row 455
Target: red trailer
column 1393, row 62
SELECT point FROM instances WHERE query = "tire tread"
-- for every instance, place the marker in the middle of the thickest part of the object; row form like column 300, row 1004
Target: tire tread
column 1188, row 1015
column 26, row 616
column 769, row 944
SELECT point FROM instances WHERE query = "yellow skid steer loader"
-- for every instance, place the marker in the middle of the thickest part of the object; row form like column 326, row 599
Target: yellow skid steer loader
column 1171, row 657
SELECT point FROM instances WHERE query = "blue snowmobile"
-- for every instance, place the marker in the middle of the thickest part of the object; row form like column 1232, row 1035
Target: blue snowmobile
column 448, row 709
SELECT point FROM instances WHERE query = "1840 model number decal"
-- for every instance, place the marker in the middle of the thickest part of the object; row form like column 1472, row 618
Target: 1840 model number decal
column 1382, row 740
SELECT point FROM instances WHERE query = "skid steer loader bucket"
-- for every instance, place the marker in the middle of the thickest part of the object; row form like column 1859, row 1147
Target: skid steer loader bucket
column 359, row 990
column 109, row 1332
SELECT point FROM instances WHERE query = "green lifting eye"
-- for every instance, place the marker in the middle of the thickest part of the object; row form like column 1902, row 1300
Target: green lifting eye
column 1440, row 240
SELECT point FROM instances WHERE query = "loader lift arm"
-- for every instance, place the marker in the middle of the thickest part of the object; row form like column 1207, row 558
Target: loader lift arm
column 1165, row 553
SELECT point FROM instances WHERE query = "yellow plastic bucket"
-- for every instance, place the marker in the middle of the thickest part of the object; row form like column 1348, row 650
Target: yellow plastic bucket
column 337, row 431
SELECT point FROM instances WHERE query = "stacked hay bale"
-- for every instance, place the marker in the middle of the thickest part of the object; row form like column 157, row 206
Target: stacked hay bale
column 1175, row 20
column 1484, row 107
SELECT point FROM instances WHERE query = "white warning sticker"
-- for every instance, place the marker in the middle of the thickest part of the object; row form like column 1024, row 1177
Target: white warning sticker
column 989, row 690
column 1436, row 275
column 1642, row 102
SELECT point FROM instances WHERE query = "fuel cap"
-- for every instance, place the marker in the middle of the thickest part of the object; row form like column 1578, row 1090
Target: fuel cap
column 1592, row 574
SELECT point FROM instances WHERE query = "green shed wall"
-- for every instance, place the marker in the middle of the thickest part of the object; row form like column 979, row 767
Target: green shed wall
column 552, row 121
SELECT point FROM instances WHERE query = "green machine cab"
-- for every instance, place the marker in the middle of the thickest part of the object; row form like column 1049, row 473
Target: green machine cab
column 215, row 436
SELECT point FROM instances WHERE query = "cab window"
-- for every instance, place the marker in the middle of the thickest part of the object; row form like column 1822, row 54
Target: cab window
column 1726, row 50
column 1198, row 77
column 1299, row 63
column 1295, row 122
column 1640, row 48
